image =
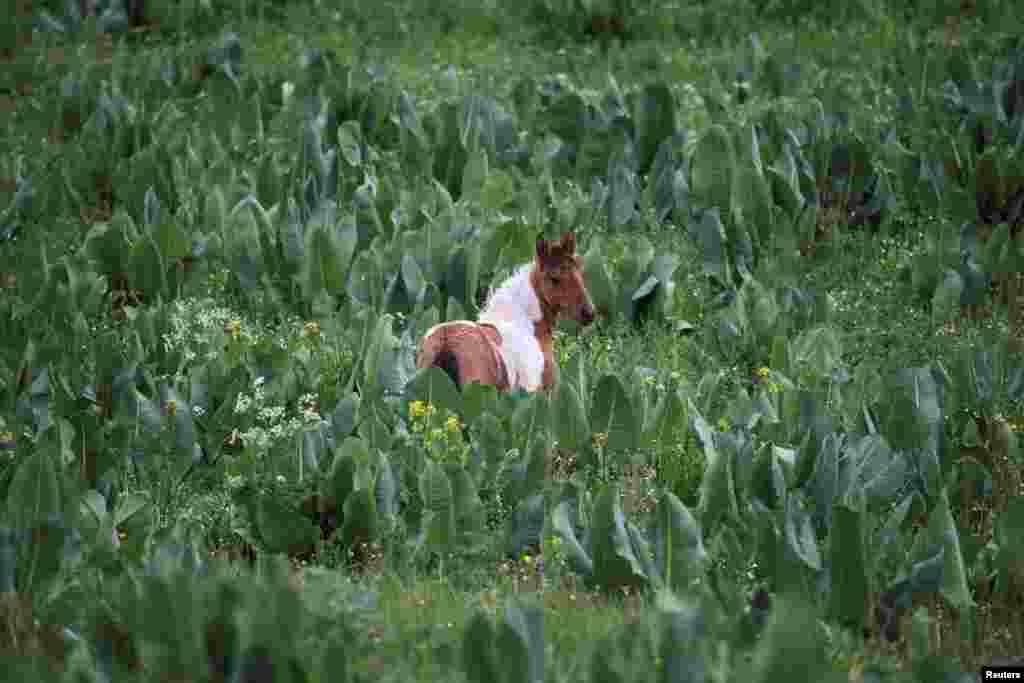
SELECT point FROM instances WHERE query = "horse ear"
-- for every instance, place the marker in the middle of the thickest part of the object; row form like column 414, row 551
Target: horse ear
column 569, row 241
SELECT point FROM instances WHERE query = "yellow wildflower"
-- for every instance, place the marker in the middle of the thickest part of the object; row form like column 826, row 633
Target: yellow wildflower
column 452, row 424
column 417, row 409
column 233, row 328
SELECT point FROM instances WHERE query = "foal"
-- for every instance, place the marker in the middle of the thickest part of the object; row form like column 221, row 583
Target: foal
column 511, row 345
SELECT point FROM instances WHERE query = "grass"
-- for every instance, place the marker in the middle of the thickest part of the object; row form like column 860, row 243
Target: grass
column 413, row 619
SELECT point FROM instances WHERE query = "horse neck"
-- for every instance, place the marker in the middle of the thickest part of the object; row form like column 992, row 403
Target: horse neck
column 516, row 302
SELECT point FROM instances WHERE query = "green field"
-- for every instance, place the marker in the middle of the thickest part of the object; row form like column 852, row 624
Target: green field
column 786, row 451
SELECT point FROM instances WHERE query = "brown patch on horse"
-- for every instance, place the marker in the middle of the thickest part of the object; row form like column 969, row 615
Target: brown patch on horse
column 455, row 348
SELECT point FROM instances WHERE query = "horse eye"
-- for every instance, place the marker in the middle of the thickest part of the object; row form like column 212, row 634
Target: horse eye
column 554, row 279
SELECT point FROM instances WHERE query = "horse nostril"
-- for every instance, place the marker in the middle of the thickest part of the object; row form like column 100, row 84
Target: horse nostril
column 587, row 315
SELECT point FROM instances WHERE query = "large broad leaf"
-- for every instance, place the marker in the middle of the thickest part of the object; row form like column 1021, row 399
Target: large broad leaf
column 282, row 529
column 942, row 530
column 622, row 183
column 340, row 483
column 561, row 524
column 345, row 417
column 360, row 523
column 386, row 488
column 478, row 399
column 784, row 192
column 792, row 648
column 569, row 418
column 463, row 275
column 712, row 169
column 469, row 511
column 667, row 421
column 148, row 272
column 717, row 488
column 850, row 590
column 326, row 252
column 710, row 235
column 526, row 525
column 873, row 470
column 479, row 658
column 654, row 114
column 615, row 563
column 946, row 300
column 474, row 175
column 520, row 644
column 433, row 385
column 767, row 480
column 530, row 418
column 184, row 430
column 603, row 291
column 799, row 534
column 824, row 484
column 34, row 493
column 667, row 187
column 912, row 412
column 612, row 413
column 438, row 501
column 678, row 547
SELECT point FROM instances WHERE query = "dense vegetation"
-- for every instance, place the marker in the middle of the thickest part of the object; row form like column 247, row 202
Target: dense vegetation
column 786, row 451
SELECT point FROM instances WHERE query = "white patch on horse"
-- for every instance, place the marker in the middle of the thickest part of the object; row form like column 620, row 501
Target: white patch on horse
column 514, row 309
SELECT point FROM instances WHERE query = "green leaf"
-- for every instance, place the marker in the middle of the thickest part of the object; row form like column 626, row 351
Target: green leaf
column 712, row 169
column 654, row 114
column 438, row 502
column 710, row 236
column 569, row 418
column 469, row 510
column 281, row 528
column 666, row 422
column 341, row 479
column 350, row 138
column 360, row 523
column 603, row 291
column 946, row 300
column 615, row 563
column 679, row 549
column 717, row 490
column 791, row 649
column 562, row 525
column 148, row 273
column 478, row 399
column 132, row 508
column 520, row 644
column 530, row 417
column 33, row 496
column 323, row 269
column 474, row 175
column 850, row 590
column 433, row 385
column 463, row 275
column 345, row 417
column 622, row 183
column 942, row 530
column 478, row 651
column 612, row 413
column 799, row 534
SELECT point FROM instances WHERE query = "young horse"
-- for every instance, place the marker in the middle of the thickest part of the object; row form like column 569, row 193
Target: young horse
column 510, row 346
